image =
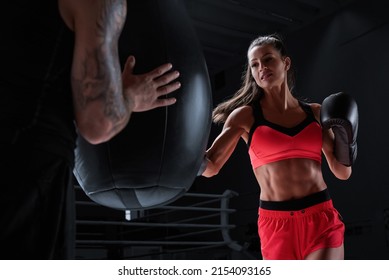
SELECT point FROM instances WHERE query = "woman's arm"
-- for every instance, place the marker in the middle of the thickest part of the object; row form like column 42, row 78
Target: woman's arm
column 235, row 127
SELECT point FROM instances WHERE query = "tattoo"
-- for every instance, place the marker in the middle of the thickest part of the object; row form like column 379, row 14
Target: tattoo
column 111, row 19
column 99, row 78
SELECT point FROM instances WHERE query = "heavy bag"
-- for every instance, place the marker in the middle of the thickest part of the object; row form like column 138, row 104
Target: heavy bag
column 155, row 159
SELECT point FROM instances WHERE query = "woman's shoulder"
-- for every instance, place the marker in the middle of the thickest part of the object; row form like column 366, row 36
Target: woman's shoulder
column 315, row 106
column 241, row 115
column 315, row 109
column 242, row 111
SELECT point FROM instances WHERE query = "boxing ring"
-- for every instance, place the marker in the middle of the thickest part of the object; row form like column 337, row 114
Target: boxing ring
column 197, row 221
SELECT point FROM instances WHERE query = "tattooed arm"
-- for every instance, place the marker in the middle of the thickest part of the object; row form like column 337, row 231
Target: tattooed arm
column 104, row 97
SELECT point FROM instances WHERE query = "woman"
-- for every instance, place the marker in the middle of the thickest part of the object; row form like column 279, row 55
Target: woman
column 285, row 139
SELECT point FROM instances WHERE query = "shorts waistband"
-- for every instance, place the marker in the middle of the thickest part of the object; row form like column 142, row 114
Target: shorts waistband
column 296, row 204
column 292, row 214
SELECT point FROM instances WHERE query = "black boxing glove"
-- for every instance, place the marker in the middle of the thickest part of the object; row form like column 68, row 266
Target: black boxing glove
column 339, row 111
column 203, row 166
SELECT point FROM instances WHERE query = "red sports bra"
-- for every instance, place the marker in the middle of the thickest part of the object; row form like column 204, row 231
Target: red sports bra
column 270, row 142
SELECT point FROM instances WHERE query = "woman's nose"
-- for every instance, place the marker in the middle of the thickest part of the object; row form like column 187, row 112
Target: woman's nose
column 262, row 67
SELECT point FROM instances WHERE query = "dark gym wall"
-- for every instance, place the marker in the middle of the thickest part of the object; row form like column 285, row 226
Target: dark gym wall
column 348, row 51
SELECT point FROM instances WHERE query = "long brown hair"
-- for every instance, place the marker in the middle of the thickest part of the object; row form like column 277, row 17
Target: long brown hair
column 249, row 91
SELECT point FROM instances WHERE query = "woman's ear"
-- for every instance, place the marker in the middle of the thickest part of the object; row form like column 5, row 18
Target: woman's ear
column 288, row 63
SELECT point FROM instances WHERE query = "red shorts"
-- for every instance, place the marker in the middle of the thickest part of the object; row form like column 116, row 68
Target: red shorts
column 293, row 235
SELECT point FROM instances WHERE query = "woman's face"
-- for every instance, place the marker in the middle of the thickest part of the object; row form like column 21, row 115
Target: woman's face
column 268, row 67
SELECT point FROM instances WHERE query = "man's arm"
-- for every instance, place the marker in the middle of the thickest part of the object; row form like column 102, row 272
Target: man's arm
column 103, row 99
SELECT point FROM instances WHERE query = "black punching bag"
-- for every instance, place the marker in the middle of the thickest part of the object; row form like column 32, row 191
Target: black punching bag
column 155, row 159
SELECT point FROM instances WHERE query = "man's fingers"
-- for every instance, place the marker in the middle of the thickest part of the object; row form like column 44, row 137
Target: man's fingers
column 166, row 78
column 168, row 88
column 160, row 70
column 162, row 102
column 129, row 66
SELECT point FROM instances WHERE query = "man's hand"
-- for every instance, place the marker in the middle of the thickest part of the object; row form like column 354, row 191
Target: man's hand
column 143, row 91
